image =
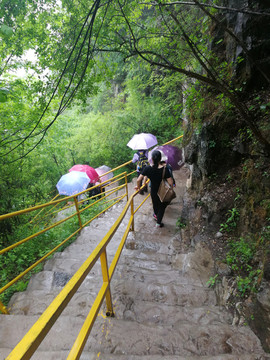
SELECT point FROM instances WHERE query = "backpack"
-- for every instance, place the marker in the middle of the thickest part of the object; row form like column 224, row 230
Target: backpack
column 143, row 160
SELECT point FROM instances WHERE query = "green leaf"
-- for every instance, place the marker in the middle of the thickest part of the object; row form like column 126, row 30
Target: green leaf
column 6, row 30
column 3, row 95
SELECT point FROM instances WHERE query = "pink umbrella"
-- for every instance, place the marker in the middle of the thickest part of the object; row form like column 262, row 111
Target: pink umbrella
column 91, row 172
column 102, row 170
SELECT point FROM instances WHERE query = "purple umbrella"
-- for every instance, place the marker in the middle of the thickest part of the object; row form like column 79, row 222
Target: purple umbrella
column 173, row 153
column 142, row 141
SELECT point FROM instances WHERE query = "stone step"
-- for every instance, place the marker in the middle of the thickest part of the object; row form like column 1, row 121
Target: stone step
column 181, row 267
column 160, row 263
column 169, row 294
column 62, row 355
column 149, row 273
column 95, row 232
column 147, row 226
column 54, row 280
column 36, row 302
column 146, row 220
column 113, row 336
column 69, row 264
column 147, row 312
column 156, row 239
column 150, row 279
column 154, row 286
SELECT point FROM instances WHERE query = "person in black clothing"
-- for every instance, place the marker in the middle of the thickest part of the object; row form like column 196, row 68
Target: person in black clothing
column 163, row 162
column 94, row 191
column 154, row 173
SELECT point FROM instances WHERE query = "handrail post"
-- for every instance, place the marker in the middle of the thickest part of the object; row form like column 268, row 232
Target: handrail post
column 126, row 180
column 106, row 279
column 78, row 211
column 132, row 214
column 3, row 309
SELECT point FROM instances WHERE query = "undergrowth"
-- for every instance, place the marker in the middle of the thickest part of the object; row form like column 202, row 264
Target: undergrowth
column 240, row 258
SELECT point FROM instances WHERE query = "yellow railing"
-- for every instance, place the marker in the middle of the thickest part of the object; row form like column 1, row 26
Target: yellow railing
column 107, row 194
column 28, row 345
column 31, row 341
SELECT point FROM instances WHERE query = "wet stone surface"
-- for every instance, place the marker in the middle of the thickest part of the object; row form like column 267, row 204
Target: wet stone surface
column 163, row 306
column 61, row 279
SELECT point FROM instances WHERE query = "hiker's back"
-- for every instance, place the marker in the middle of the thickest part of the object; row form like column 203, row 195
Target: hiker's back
column 142, row 160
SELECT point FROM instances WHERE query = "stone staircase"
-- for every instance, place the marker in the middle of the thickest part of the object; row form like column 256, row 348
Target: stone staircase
column 163, row 308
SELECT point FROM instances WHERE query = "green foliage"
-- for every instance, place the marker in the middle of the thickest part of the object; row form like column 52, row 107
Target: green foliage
column 249, row 283
column 240, row 254
column 96, row 133
column 212, row 177
column 229, row 178
column 181, row 223
column 238, row 195
column 240, row 258
column 212, row 281
column 231, row 222
column 212, row 144
column 5, row 31
column 3, row 95
column 265, row 237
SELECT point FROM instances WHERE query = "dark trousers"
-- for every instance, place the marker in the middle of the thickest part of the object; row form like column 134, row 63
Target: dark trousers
column 158, row 207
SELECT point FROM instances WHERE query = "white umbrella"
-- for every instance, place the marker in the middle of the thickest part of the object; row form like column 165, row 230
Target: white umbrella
column 142, row 141
column 72, row 183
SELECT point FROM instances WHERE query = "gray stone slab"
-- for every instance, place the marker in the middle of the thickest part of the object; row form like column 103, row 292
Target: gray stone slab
column 147, row 312
column 171, row 294
column 36, row 302
column 62, row 355
column 113, row 336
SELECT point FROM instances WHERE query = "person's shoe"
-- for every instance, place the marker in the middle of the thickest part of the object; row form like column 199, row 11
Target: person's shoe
column 155, row 216
column 159, row 225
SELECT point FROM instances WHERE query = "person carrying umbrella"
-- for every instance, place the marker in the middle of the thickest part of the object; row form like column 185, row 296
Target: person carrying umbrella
column 154, row 173
column 141, row 142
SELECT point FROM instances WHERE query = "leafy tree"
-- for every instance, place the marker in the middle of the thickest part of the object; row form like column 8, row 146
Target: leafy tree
column 75, row 40
column 127, row 63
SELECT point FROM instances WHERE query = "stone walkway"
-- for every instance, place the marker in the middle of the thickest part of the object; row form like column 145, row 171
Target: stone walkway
column 163, row 307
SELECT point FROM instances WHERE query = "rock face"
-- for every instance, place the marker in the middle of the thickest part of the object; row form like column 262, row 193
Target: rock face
column 258, row 311
column 251, row 43
column 214, row 151
column 225, row 164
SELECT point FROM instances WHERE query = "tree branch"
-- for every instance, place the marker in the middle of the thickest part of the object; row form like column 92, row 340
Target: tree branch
column 189, row 3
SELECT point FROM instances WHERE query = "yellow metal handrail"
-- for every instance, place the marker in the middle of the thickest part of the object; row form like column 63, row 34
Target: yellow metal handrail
column 31, row 341
column 106, row 194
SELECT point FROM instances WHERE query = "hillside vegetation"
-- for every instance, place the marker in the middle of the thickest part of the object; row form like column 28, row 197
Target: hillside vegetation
column 105, row 70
